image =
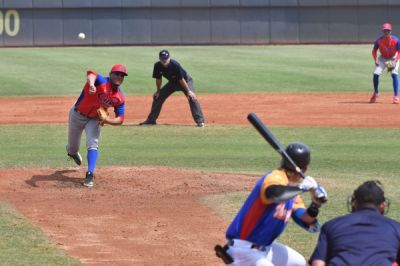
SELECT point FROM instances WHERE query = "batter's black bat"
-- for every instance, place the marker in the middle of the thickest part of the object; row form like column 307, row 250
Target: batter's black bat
column 270, row 138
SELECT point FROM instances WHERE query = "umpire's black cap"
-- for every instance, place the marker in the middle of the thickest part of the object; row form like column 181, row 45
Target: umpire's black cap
column 369, row 192
column 164, row 54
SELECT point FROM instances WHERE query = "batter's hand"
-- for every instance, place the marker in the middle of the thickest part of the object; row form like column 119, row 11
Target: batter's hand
column 320, row 195
column 308, row 184
column 92, row 89
column 192, row 95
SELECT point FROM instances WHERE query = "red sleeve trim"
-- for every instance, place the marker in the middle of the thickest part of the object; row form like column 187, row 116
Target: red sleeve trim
column 91, row 72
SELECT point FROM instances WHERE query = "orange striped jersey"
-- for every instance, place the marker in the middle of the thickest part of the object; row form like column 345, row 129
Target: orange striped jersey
column 261, row 221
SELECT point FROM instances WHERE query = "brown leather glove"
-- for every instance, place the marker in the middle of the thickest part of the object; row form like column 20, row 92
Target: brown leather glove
column 103, row 115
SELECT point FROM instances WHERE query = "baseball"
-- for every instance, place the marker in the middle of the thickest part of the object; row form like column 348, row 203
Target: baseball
column 81, row 36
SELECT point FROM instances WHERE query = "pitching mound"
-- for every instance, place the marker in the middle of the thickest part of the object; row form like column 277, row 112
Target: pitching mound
column 133, row 216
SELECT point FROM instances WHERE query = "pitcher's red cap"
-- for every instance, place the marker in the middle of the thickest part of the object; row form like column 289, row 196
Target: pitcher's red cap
column 119, row 68
column 387, row 26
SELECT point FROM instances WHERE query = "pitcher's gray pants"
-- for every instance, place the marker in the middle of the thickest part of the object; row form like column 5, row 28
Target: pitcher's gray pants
column 76, row 124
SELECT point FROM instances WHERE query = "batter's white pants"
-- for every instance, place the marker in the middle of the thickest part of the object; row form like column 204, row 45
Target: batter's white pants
column 382, row 60
column 276, row 254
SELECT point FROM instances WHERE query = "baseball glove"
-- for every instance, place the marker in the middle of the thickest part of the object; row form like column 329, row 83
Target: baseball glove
column 391, row 64
column 103, row 115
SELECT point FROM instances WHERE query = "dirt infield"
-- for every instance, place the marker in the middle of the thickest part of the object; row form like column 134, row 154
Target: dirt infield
column 134, row 216
column 300, row 109
column 151, row 215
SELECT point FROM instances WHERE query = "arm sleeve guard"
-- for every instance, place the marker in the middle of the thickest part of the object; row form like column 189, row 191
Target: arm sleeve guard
column 279, row 193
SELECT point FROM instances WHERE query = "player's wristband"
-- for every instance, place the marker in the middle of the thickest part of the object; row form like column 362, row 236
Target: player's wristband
column 313, row 210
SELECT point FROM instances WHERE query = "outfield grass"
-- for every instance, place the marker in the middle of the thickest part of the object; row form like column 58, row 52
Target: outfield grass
column 215, row 69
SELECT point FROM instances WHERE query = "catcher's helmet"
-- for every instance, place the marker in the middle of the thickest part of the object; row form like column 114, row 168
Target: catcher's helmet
column 299, row 153
column 119, row 68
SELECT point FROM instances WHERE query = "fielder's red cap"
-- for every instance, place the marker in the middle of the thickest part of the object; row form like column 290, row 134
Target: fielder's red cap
column 119, row 68
column 387, row 26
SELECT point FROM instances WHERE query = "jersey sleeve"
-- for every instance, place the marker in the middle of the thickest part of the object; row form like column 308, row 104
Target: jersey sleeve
column 100, row 80
column 91, row 72
column 120, row 110
column 156, row 71
column 298, row 203
column 179, row 72
column 274, row 178
column 376, row 46
column 321, row 250
column 298, row 211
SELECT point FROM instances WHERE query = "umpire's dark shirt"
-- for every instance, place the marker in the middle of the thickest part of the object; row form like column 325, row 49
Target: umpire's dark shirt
column 362, row 238
column 173, row 72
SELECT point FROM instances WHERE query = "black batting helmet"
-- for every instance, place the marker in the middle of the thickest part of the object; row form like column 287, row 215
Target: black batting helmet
column 299, row 153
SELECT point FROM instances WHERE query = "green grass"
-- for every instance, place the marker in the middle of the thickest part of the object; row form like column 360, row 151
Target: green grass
column 215, row 69
column 23, row 244
column 214, row 148
column 358, row 151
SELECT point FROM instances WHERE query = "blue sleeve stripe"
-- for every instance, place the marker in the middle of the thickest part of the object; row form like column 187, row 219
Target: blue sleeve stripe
column 100, row 80
column 119, row 110
column 297, row 217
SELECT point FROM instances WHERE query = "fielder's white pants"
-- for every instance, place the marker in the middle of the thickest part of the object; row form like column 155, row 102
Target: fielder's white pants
column 382, row 60
column 276, row 254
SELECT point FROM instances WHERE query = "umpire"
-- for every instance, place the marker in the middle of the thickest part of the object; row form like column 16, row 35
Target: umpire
column 363, row 237
column 178, row 80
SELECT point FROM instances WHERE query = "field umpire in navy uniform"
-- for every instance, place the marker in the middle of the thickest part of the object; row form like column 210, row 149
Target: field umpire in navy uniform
column 178, row 80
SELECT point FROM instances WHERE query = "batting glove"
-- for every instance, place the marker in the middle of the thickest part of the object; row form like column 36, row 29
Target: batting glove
column 308, row 183
column 320, row 194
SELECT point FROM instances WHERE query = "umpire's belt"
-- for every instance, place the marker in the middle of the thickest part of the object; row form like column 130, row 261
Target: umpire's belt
column 239, row 243
column 82, row 114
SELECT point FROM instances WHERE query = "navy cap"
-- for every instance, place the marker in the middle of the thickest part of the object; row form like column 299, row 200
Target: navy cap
column 164, row 54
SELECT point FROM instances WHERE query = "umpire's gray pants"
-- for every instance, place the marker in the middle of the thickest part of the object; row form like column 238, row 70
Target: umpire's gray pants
column 76, row 124
column 165, row 92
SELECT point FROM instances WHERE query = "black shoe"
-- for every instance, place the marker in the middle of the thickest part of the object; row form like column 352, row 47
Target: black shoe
column 147, row 123
column 201, row 125
column 89, row 180
column 76, row 157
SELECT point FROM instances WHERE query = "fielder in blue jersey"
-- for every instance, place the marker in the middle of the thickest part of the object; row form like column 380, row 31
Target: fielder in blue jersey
column 265, row 214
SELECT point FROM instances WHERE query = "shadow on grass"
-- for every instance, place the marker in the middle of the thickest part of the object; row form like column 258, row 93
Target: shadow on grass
column 60, row 177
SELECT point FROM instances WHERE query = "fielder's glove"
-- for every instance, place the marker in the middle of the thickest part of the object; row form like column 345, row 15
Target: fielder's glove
column 308, row 183
column 391, row 64
column 103, row 115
